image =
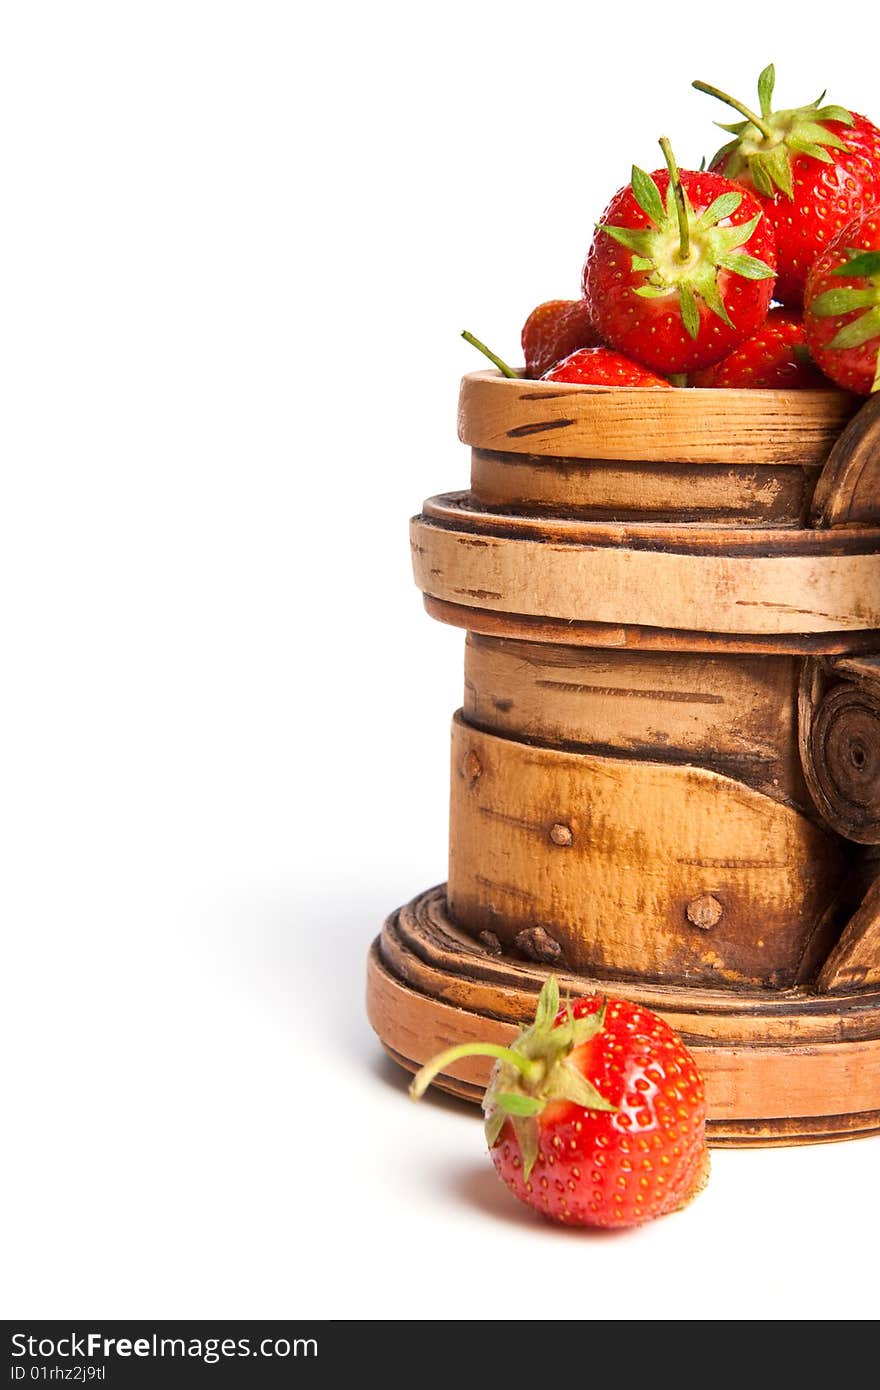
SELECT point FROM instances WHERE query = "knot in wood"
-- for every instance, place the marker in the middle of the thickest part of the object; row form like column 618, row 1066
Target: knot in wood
column 704, row 912
column 538, row 945
column 471, row 767
column 561, row 834
column 490, row 943
column 842, row 762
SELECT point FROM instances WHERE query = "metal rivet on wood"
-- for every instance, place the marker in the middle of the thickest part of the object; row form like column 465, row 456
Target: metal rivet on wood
column 704, row 912
column 561, row 834
column 471, row 766
column 535, row 943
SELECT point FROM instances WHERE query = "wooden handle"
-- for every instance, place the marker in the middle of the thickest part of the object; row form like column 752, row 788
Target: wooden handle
column 848, row 491
column 839, row 707
column 855, row 961
column 839, row 721
column 839, row 717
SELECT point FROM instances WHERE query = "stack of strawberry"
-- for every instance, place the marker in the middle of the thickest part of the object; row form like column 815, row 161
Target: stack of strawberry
column 680, row 280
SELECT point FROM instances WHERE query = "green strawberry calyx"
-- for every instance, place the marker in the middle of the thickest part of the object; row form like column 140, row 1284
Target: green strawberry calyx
column 763, row 144
column 536, row 1069
column 682, row 251
column 865, row 297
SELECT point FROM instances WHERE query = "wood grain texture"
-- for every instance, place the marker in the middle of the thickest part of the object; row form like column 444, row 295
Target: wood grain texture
column 601, row 489
column 839, row 736
column 731, row 714
column 616, row 583
column 647, row 839
column 848, row 491
column 426, row 948
column 617, row 636
column 772, row 1093
column 685, row 426
column 630, row 802
column 459, row 511
column 854, row 962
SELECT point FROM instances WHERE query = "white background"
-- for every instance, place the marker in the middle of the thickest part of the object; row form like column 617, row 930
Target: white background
column 239, row 241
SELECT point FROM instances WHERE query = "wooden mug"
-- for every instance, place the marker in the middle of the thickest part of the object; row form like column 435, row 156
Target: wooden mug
column 666, row 770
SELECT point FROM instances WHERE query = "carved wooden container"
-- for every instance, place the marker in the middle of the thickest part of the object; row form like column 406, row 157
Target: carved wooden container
column 666, row 770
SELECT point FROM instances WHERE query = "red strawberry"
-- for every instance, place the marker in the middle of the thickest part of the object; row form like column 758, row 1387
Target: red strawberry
column 554, row 330
column 812, row 169
column 599, row 366
column 681, row 268
column 842, row 306
column 773, row 359
column 596, row 1116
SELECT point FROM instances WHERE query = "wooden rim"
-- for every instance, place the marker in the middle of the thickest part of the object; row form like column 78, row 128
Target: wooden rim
column 459, row 512
column 423, row 944
column 681, row 426
column 532, row 573
column 729, row 1134
column 567, row 632
column 780, row 1067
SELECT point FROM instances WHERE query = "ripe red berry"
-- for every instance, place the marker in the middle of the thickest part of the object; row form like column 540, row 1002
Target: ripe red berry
column 773, row 359
column 681, row 268
column 842, row 306
column 813, row 168
column 554, row 330
column 599, row 366
column 596, row 1116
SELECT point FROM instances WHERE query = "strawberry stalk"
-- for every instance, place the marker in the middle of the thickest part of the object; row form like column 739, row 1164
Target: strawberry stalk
column 765, row 145
column 487, row 352
column 679, row 252
column 532, row 1071
column 684, row 236
column 743, row 110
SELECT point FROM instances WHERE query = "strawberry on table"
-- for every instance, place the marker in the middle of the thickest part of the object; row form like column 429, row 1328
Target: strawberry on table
column 773, row 359
column 813, row 168
column 596, row 1115
column 681, row 268
column 842, row 306
column 554, row 330
column 600, row 366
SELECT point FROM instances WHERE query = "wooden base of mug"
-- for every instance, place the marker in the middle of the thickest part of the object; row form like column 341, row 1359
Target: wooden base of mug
column 781, row 1066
